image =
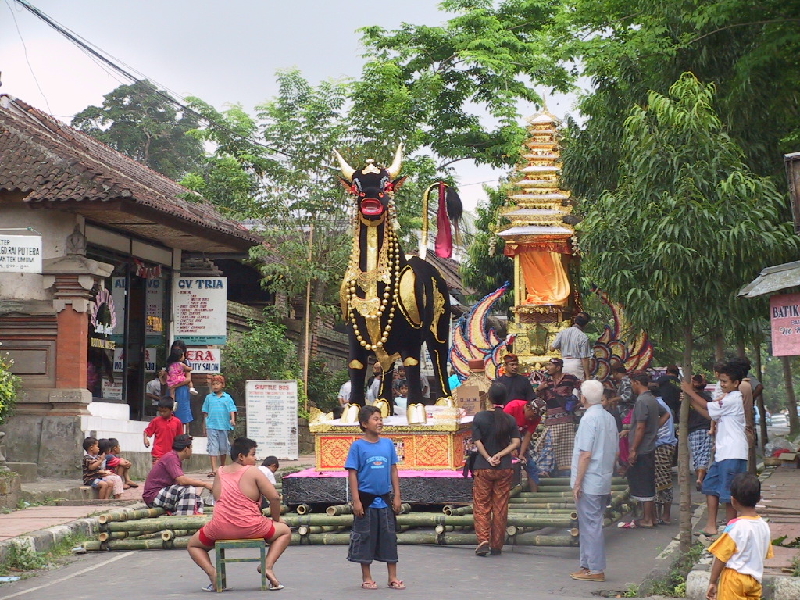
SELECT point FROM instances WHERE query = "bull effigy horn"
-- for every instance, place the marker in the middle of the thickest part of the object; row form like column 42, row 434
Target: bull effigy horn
column 397, row 163
column 346, row 169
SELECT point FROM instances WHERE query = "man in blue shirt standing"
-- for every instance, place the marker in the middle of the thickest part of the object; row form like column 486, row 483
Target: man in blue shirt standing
column 593, row 458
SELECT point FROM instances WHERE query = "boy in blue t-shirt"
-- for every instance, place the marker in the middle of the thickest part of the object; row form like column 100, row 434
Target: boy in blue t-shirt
column 371, row 476
column 219, row 411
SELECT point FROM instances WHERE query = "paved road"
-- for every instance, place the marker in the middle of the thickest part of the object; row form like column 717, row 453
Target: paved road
column 322, row 572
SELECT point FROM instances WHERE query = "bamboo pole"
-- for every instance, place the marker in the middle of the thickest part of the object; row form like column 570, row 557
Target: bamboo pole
column 551, row 481
column 303, row 509
column 151, row 525
column 463, row 510
column 129, row 513
column 339, row 509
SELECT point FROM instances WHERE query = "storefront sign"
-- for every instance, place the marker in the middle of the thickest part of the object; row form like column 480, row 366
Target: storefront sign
column 119, row 360
column 149, row 360
column 112, row 391
column 204, row 360
column 272, row 417
column 20, row 254
column 118, row 288
column 102, row 321
column 154, row 322
column 200, row 310
column 784, row 317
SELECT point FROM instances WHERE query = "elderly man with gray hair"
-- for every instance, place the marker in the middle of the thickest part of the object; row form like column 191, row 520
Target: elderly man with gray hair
column 593, row 458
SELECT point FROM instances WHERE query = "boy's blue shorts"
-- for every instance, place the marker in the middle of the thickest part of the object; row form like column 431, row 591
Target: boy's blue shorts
column 719, row 477
column 218, row 442
column 374, row 537
column 532, row 469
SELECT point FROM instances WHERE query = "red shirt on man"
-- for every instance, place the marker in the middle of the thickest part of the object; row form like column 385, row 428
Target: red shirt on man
column 516, row 408
column 165, row 431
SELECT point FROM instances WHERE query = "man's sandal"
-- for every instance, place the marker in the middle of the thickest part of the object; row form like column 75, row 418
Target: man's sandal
column 397, row 585
column 369, row 585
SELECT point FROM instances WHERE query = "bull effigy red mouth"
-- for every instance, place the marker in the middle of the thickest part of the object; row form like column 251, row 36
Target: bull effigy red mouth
column 371, row 207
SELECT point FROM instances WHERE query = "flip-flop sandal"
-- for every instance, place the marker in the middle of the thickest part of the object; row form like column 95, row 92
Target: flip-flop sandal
column 369, row 585
column 482, row 549
column 132, row 484
column 275, row 588
column 211, row 475
column 208, row 588
column 397, row 585
column 630, row 525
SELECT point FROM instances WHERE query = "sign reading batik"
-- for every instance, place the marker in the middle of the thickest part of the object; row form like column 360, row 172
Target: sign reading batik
column 784, row 318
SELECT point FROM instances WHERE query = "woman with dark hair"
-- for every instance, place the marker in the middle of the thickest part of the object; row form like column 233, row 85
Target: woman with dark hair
column 496, row 436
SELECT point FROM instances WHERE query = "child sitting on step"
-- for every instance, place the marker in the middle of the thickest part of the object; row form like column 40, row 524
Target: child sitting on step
column 104, row 481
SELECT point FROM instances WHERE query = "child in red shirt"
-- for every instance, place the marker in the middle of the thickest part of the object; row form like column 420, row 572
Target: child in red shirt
column 527, row 415
column 164, row 427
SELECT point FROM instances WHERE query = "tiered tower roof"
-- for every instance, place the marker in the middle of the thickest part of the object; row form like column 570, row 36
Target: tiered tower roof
column 537, row 208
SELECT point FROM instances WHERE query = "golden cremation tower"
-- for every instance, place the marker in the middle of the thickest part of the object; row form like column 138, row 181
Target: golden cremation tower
column 541, row 240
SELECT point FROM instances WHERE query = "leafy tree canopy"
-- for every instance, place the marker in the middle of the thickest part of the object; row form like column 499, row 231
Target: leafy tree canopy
column 140, row 122
column 689, row 224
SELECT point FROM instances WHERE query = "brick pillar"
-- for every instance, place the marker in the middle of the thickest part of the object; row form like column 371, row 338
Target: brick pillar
column 71, row 348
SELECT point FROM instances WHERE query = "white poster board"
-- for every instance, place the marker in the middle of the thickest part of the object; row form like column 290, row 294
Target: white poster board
column 20, row 253
column 204, row 360
column 272, row 417
column 200, row 310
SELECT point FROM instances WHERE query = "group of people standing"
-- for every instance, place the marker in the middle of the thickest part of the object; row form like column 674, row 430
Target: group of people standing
column 629, row 429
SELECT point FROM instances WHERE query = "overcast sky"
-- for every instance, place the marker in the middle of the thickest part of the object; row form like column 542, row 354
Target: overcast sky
column 222, row 52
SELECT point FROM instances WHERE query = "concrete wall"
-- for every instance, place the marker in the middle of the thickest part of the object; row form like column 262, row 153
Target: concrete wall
column 54, row 227
column 51, row 441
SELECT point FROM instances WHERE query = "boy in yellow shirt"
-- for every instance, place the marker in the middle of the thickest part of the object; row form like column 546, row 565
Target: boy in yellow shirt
column 740, row 551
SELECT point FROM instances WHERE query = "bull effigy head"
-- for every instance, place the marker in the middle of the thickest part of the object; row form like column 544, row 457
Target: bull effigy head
column 373, row 186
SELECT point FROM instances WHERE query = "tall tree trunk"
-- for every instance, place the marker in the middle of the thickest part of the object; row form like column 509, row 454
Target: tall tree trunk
column 719, row 346
column 307, row 325
column 683, row 448
column 791, row 402
column 741, row 352
column 762, row 437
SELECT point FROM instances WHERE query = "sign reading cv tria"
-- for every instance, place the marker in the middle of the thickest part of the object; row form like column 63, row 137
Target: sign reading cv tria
column 784, row 317
column 200, row 310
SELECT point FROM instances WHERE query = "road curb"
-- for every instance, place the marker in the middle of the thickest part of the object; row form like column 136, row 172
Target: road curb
column 44, row 539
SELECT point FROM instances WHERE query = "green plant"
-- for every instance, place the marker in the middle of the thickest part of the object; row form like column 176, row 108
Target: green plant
column 9, row 388
column 632, row 591
column 263, row 352
column 324, row 384
column 796, row 566
column 22, row 557
column 673, row 584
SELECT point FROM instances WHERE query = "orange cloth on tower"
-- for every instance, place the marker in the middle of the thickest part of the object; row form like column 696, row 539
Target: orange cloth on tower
column 546, row 280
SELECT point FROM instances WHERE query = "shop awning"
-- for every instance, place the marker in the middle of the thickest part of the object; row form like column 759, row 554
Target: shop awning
column 773, row 279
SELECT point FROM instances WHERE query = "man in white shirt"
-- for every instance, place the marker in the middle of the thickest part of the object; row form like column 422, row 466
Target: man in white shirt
column 574, row 346
column 593, row 458
column 731, row 443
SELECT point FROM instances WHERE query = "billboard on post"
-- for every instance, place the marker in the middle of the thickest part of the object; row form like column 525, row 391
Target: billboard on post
column 272, row 417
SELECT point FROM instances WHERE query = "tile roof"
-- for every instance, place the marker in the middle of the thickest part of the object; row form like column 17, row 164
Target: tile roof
column 54, row 163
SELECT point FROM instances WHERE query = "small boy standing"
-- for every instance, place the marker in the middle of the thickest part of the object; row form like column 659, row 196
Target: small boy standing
column 740, row 551
column 105, row 482
column 219, row 412
column 164, row 427
column 371, row 476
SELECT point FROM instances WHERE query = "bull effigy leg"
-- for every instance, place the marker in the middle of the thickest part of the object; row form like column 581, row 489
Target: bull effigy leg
column 357, row 368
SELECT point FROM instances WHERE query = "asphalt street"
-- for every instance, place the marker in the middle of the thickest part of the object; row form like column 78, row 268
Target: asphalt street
column 322, row 572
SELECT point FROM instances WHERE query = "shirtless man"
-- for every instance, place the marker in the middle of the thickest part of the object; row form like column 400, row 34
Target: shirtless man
column 237, row 489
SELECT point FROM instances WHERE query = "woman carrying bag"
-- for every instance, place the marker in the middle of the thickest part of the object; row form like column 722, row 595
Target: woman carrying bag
column 496, row 436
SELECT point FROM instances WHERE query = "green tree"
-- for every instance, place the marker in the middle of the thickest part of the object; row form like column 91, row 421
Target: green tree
column 486, row 267
column 10, row 386
column 455, row 89
column 686, row 205
column 141, row 122
column 628, row 49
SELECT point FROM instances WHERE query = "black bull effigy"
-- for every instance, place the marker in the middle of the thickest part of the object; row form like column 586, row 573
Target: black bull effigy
column 391, row 304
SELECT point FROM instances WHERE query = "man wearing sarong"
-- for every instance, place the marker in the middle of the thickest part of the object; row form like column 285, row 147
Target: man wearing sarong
column 554, row 448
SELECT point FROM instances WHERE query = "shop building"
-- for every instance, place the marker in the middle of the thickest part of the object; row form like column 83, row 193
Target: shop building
column 114, row 239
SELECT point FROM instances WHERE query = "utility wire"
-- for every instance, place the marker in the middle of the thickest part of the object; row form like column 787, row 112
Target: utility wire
column 98, row 54
column 27, row 59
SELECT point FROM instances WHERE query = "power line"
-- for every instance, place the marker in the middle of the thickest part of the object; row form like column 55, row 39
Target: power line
column 98, row 54
column 27, row 59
